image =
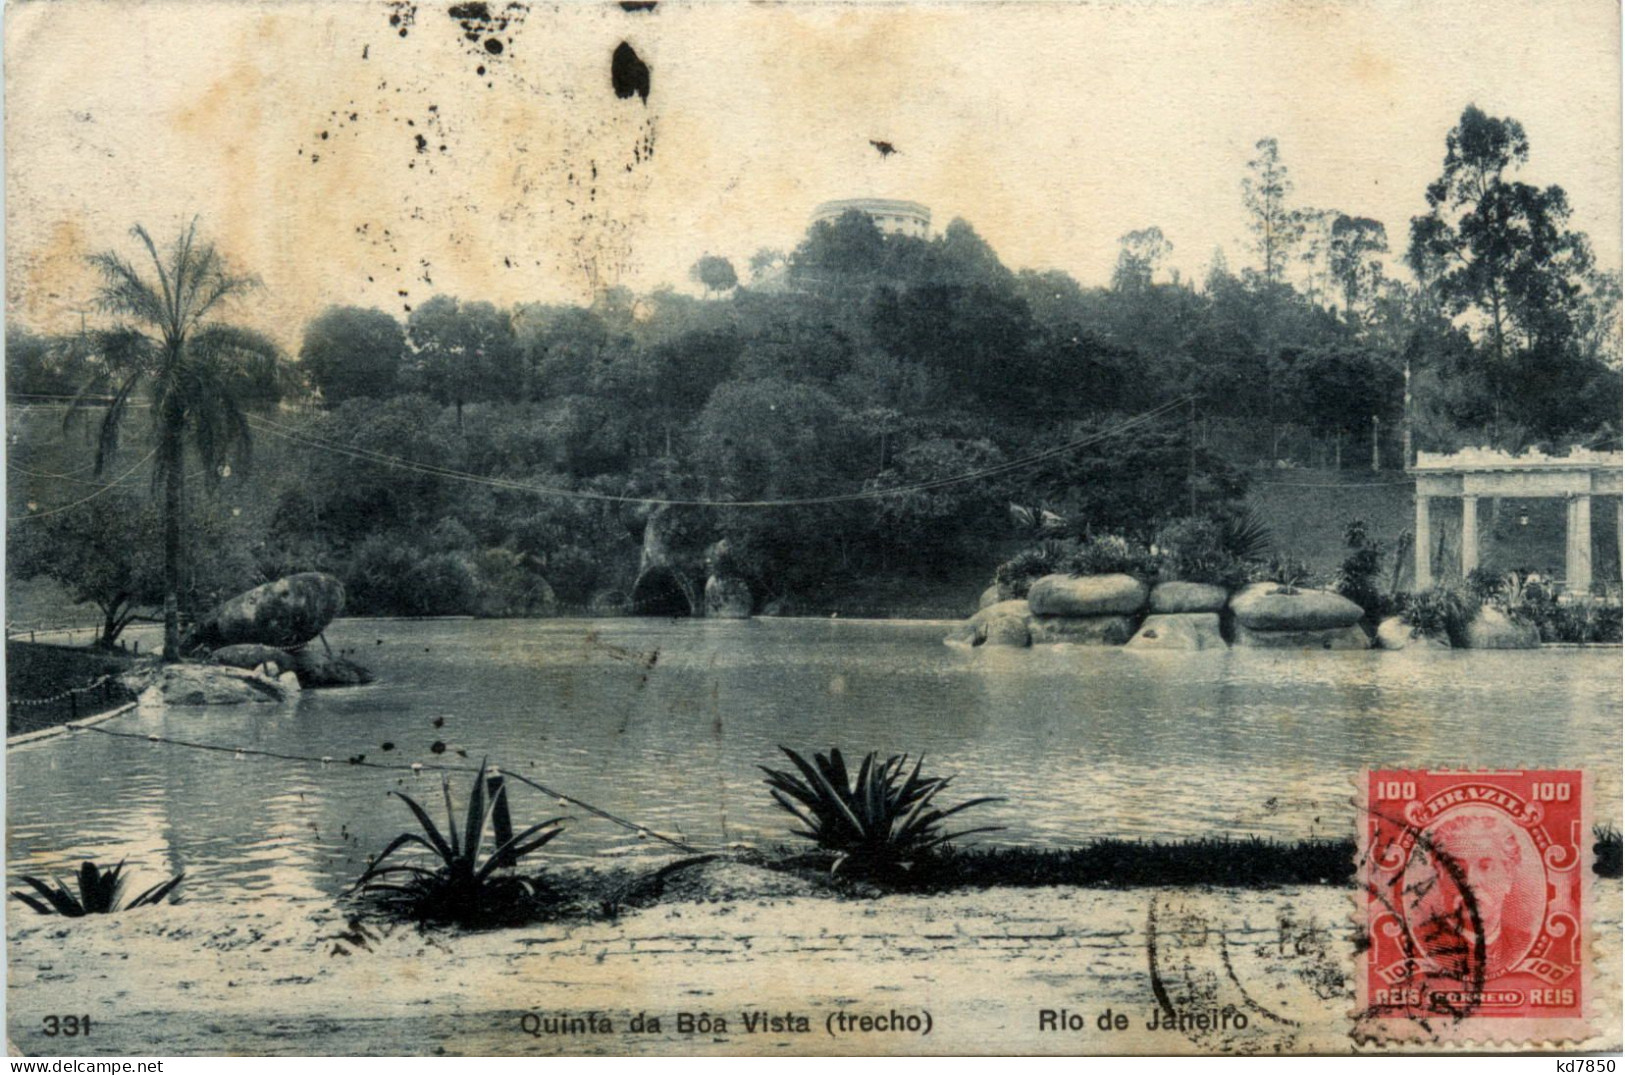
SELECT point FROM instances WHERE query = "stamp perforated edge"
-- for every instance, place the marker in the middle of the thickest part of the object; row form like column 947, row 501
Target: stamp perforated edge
column 1519, row 1034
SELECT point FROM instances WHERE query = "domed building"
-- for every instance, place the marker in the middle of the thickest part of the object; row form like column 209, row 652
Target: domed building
column 892, row 216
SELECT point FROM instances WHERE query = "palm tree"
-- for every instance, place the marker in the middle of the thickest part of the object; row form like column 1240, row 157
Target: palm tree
column 199, row 375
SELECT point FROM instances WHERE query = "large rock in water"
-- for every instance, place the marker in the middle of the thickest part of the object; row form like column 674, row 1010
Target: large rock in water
column 1395, row 633
column 1081, row 630
column 1187, row 597
column 1179, row 631
column 1350, row 637
column 1087, row 595
column 1005, row 630
column 1263, row 606
column 288, row 612
column 1494, row 629
column 973, row 632
column 206, row 684
column 990, row 596
column 727, row 597
column 314, row 667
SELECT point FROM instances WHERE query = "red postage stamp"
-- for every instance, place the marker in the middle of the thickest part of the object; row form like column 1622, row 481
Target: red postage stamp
column 1474, row 887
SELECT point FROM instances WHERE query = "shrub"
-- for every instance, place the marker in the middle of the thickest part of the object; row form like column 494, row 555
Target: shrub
column 876, row 825
column 1287, row 571
column 99, row 893
column 1441, row 612
column 460, row 886
column 1111, row 554
column 1358, row 579
column 1194, row 550
column 441, row 584
column 1016, row 575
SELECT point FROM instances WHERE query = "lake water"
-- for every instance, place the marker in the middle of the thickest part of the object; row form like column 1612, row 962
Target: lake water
column 664, row 723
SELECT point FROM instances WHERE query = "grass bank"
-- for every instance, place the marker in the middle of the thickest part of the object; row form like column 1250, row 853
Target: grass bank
column 44, row 684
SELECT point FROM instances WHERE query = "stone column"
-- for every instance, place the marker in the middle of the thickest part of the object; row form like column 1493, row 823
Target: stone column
column 1469, row 535
column 1424, row 543
column 1577, row 563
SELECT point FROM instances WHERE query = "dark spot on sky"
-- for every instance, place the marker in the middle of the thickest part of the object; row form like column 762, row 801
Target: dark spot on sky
column 638, row 5
column 470, row 11
column 628, row 74
column 423, row 144
column 480, row 70
column 493, row 46
column 324, row 136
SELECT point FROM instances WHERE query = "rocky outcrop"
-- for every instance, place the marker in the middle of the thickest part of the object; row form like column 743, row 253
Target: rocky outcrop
column 973, row 632
column 314, row 667
column 205, row 684
column 1087, row 595
column 1172, row 597
column 727, row 598
column 288, row 612
column 1350, row 637
column 1395, row 633
column 1082, row 630
column 1005, row 630
column 1267, row 606
column 1179, row 631
column 1494, row 629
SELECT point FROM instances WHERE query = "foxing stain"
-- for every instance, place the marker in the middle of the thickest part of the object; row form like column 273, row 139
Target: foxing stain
column 628, row 74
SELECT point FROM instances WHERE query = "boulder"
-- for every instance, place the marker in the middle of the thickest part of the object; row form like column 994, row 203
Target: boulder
column 206, row 684
column 727, row 597
column 1262, row 607
column 317, row 668
column 248, row 655
column 1179, row 630
column 1004, row 630
column 1350, row 637
column 1494, row 629
column 288, row 612
column 1395, row 633
column 973, row 630
column 1082, row 630
column 990, row 596
column 1187, row 597
column 1087, row 595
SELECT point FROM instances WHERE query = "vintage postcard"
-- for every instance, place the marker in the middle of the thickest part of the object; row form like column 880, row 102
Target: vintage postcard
column 682, row 529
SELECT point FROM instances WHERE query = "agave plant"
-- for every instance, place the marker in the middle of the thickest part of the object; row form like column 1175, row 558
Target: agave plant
column 100, row 892
column 876, row 824
column 462, row 886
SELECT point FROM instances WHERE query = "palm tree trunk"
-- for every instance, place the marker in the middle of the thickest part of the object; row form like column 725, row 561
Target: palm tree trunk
column 174, row 478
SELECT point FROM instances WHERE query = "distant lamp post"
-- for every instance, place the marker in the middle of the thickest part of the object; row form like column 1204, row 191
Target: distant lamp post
column 225, row 470
column 1523, row 516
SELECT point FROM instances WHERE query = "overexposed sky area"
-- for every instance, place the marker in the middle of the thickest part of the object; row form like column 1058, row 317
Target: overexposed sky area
column 486, row 156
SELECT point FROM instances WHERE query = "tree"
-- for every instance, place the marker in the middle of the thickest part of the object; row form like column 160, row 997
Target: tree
column 105, row 552
column 764, row 262
column 1139, row 256
column 1507, row 254
column 1276, row 229
column 465, row 351
column 1355, row 244
column 352, row 352
column 201, row 375
column 715, row 273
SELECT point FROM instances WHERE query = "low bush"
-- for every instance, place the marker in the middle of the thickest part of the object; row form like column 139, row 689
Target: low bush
column 875, row 826
column 1359, row 577
column 1197, row 550
column 100, row 892
column 1016, row 575
column 459, row 885
column 1442, row 612
column 1112, row 554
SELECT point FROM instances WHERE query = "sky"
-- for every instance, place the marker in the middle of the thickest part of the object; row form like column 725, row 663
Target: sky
column 377, row 154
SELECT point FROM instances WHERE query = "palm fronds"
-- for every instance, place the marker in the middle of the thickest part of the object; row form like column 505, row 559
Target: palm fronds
column 99, row 892
column 875, row 823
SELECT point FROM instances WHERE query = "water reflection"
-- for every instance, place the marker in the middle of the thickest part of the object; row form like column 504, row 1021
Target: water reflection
column 666, row 723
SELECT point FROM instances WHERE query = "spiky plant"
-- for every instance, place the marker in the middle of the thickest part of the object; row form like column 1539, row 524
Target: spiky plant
column 461, row 885
column 100, row 892
column 876, row 824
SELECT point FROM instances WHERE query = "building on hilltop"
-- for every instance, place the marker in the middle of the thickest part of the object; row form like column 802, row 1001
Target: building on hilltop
column 891, row 215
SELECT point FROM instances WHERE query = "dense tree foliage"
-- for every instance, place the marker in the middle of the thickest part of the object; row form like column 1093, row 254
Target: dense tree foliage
column 864, row 373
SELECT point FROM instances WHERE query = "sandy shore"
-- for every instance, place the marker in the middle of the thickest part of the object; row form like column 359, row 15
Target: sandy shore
column 297, row 977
